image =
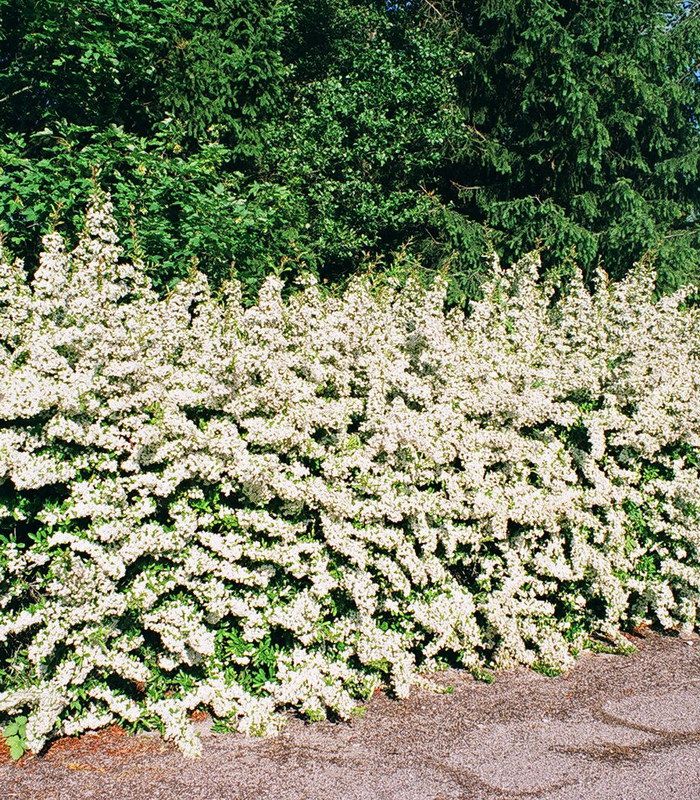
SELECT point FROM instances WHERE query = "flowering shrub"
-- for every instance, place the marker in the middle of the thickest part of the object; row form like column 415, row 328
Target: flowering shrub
column 248, row 510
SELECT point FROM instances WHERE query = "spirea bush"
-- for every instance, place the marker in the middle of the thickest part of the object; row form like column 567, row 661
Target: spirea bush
column 282, row 507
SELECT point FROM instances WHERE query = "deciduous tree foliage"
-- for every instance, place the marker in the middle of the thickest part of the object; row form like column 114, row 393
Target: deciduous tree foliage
column 290, row 135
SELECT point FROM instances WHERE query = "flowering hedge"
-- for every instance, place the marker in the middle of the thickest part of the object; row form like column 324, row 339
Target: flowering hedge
column 248, row 510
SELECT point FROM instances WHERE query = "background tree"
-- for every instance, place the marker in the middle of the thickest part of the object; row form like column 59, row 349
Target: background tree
column 589, row 116
column 281, row 135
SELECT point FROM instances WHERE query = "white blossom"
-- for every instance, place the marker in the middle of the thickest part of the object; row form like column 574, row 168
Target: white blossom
column 328, row 492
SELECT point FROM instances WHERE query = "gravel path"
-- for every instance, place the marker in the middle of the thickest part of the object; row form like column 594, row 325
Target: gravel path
column 614, row 728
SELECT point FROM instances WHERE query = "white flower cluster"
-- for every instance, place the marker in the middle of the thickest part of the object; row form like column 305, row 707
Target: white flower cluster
column 281, row 507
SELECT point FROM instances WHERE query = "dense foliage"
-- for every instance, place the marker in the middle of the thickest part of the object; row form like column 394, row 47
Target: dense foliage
column 288, row 136
column 277, row 507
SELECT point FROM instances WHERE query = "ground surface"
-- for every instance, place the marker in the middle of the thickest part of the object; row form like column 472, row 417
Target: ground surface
column 614, row 728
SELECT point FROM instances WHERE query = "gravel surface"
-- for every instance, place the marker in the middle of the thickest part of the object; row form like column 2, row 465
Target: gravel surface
column 613, row 728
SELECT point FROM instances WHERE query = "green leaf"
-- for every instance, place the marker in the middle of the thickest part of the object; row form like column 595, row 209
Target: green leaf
column 17, row 749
